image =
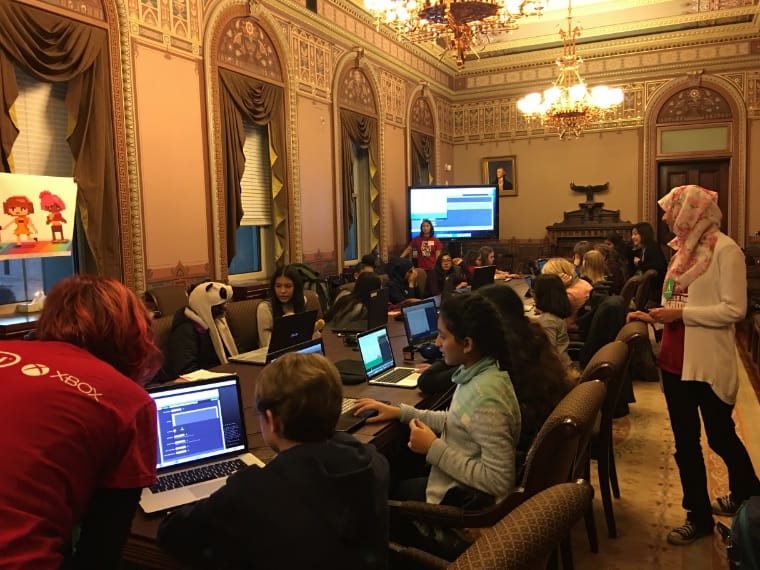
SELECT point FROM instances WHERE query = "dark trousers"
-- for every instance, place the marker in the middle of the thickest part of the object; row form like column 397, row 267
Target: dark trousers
column 686, row 401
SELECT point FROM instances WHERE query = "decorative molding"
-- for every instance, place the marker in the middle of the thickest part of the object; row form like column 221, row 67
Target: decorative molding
column 393, row 93
column 175, row 24
column 180, row 274
column 246, row 46
column 87, row 8
column 421, row 116
column 313, row 62
column 694, row 104
column 355, row 93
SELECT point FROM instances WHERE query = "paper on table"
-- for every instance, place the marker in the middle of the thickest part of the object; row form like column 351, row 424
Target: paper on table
column 203, row 374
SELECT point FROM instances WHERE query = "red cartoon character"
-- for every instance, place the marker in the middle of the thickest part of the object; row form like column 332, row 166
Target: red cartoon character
column 54, row 205
column 20, row 207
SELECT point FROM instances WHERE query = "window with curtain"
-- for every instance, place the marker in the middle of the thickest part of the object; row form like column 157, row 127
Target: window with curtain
column 41, row 148
column 360, row 229
column 254, row 237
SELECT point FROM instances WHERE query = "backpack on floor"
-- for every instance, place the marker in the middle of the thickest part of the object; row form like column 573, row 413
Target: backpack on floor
column 743, row 539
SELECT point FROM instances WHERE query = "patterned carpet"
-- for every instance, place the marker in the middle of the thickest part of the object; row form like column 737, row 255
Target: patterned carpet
column 650, row 489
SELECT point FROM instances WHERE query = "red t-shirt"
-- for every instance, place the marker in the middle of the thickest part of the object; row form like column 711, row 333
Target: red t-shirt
column 425, row 251
column 671, row 346
column 69, row 424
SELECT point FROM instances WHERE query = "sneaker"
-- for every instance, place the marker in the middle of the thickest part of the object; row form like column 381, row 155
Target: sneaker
column 687, row 533
column 725, row 506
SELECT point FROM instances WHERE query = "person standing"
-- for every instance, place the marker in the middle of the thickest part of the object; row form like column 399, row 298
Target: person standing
column 425, row 248
column 704, row 295
column 79, row 431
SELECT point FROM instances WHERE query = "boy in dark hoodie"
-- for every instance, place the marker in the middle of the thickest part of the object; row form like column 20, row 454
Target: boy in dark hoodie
column 320, row 503
column 402, row 281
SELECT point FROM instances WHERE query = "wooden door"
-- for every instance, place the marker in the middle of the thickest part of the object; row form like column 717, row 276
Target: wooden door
column 710, row 174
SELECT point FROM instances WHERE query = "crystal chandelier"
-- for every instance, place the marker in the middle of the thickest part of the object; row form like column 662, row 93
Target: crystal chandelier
column 457, row 25
column 568, row 106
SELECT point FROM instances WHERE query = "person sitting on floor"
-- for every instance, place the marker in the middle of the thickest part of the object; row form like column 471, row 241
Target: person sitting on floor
column 200, row 337
column 320, row 503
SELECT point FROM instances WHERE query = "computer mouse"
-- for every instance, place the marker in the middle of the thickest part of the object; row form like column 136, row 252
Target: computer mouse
column 430, row 351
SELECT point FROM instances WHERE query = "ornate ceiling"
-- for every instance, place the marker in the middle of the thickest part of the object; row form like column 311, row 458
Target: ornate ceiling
column 616, row 23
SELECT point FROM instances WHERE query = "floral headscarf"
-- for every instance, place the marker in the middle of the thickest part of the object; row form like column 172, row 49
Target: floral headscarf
column 692, row 213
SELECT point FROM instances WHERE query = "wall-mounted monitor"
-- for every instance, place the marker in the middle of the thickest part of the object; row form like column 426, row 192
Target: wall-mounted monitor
column 457, row 212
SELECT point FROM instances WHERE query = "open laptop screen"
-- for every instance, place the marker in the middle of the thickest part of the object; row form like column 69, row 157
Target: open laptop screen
column 313, row 346
column 420, row 321
column 199, row 421
column 376, row 351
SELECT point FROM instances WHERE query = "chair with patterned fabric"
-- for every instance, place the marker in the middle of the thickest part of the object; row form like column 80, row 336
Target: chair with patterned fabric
column 525, row 538
column 552, row 459
column 608, row 365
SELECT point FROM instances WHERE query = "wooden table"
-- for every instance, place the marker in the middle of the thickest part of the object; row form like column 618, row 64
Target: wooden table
column 141, row 550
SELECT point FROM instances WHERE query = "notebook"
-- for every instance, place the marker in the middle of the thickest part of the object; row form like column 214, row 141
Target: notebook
column 377, row 313
column 347, row 421
column 420, row 321
column 286, row 331
column 379, row 364
column 201, row 440
column 482, row 275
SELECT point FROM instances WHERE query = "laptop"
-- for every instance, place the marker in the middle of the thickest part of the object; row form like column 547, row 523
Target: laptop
column 286, row 331
column 482, row 275
column 377, row 314
column 347, row 421
column 420, row 321
column 201, row 441
column 379, row 364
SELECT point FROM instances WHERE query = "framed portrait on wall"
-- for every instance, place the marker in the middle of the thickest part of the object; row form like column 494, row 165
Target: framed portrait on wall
column 501, row 171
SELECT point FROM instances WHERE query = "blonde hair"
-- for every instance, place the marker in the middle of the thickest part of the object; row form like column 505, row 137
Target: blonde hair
column 558, row 266
column 594, row 266
column 304, row 392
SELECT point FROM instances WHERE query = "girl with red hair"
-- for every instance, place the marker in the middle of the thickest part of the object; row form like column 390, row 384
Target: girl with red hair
column 79, row 430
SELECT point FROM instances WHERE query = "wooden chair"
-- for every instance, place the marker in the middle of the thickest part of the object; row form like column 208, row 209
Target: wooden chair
column 525, row 538
column 607, row 365
column 552, row 459
column 167, row 299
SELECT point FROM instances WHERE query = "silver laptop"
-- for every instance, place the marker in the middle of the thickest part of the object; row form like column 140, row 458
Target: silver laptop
column 201, row 441
column 379, row 364
column 286, row 331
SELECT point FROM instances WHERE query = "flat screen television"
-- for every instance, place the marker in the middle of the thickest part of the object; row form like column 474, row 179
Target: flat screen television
column 457, row 212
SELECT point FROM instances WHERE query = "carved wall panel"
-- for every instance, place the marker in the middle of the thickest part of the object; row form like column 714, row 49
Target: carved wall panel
column 422, row 116
column 393, row 92
column 90, row 8
column 355, row 92
column 313, row 62
column 173, row 23
column 245, row 45
column 753, row 95
column 697, row 103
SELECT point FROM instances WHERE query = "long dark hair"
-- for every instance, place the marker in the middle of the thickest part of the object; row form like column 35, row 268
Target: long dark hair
column 551, row 296
column 538, row 375
column 364, row 285
column 297, row 300
column 472, row 316
column 646, row 231
column 432, row 227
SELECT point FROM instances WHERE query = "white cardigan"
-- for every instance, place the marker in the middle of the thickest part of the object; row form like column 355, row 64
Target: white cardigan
column 717, row 299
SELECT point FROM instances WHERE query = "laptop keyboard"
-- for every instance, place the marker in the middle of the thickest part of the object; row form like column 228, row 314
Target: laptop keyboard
column 348, row 403
column 396, row 376
column 197, row 475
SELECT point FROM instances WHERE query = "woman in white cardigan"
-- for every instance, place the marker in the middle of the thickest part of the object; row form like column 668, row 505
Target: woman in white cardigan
column 704, row 294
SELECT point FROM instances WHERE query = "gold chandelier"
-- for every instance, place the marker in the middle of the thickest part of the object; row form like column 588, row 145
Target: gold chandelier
column 458, row 26
column 568, row 106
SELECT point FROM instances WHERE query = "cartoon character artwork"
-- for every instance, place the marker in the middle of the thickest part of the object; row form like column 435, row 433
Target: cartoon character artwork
column 54, row 205
column 20, row 207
